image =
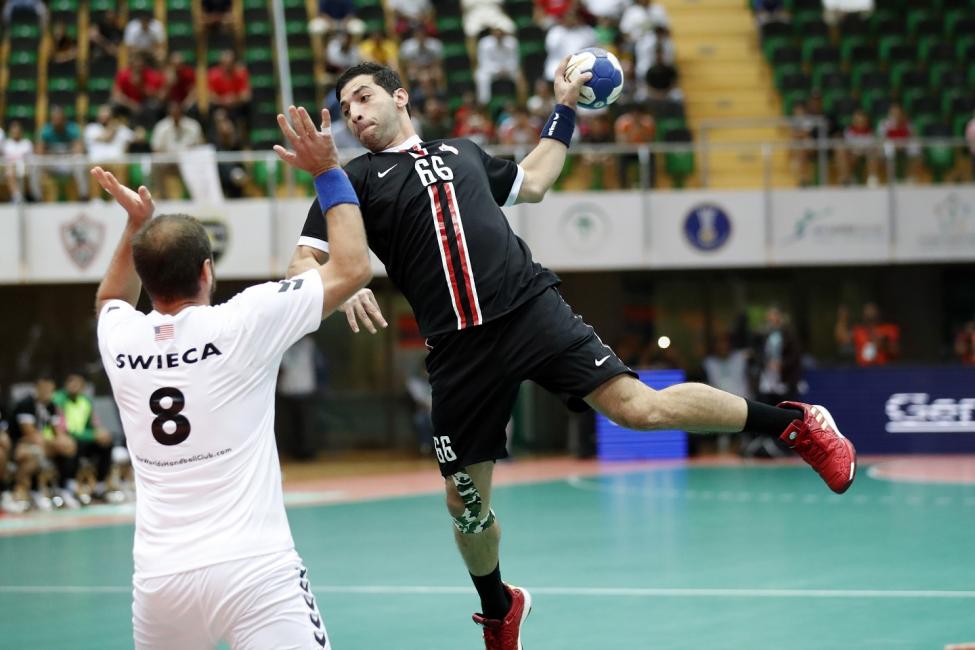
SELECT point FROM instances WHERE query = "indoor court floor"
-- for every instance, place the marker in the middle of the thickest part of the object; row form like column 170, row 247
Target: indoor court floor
column 719, row 554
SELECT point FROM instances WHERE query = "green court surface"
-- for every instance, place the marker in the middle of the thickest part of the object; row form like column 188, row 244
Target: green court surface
column 722, row 557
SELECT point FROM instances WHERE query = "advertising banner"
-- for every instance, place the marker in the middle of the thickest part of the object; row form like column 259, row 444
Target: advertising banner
column 73, row 242
column 900, row 410
column 585, row 230
column 935, row 223
column 706, row 229
column 817, row 226
column 613, row 442
column 9, row 245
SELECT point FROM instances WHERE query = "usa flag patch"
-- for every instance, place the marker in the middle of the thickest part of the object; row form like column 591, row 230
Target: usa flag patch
column 164, row 332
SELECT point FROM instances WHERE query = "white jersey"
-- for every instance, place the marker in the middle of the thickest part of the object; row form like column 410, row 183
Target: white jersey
column 195, row 392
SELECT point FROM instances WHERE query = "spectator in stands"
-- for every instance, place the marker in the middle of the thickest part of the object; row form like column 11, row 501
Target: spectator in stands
column 107, row 139
column 542, row 101
column 59, row 137
column 408, row 14
column 519, row 129
column 16, row 151
column 173, row 134
column 435, row 122
column 802, row 155
column 896, row 128
column 654, row 47
column 475, row 125
column 94, row 442
column 779, row 360
column 965, row 343
column 105, row 35
column 7, row 501
column 341, row 53
column 421, row 56
column 230, row 88
column 634, row 126
column 970, row 138
column 551, row 12
column 859, row 152
column 179, row 82
column 145, row 34
column 873, row 342
column 218, row 15
column 27, row 6
column 64, row 49
column 380, row 49
column 233, row 175
column 661, row 78
column 482, row 15
column 138, row 91
column 497, row 58
column 565, row 38
column 834, row 10
column 770, row 11
column 611, row 9
column 334, row 15
column 640, row 17
column 597, row 128
column 36, row 422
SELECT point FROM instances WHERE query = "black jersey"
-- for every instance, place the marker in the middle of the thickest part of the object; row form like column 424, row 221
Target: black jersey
column 433, row 217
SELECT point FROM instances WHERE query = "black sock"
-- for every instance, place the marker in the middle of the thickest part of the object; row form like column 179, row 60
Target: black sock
column 494, row 599
column 773, row 420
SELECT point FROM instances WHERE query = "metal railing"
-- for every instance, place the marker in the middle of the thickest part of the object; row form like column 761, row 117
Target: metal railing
column 280, row 180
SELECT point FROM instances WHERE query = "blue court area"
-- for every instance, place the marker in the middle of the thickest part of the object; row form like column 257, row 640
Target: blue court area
column 757, row 557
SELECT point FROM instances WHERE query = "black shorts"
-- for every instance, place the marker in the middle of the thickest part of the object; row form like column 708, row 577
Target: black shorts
column 475, row 374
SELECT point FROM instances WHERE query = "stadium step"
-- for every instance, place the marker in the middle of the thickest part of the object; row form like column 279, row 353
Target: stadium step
column 725, row 76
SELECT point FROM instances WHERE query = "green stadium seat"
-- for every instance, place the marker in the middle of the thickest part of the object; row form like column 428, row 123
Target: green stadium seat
column 255, row 4
column 772, row 43
column 180, row 5
column 826, row 70
column 253, row 55
column 790, row 99
column 141, row 5
column 785, row 70
column 20, row 112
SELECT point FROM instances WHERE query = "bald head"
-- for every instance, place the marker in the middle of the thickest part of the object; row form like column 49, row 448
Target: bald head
column 169, row 253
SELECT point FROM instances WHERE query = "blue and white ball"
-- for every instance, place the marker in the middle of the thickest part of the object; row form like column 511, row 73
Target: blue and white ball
column 607, row 76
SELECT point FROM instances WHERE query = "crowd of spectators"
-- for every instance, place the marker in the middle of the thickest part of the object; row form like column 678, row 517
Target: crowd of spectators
column 638, row 33
column 153, row 107
column 55, row 451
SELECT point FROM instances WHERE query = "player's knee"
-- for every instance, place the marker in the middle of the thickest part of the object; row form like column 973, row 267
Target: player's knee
column 470, row 515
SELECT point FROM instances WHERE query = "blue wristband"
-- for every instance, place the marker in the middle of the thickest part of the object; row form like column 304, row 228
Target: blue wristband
column 333, row 188
column 561, row 124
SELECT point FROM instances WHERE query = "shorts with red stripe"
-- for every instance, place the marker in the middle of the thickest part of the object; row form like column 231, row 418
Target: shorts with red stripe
column 475, row 374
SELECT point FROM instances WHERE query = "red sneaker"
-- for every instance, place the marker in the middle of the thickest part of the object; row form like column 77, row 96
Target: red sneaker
column 820, row 443
column 506, row 634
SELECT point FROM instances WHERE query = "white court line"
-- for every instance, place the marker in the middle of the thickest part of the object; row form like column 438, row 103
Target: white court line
column 587, row 592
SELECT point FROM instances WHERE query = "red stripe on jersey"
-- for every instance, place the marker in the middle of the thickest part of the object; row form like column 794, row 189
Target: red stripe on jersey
column 445, row 257
column 465, row 262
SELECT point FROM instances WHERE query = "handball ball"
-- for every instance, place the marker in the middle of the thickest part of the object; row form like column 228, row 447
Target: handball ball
column 607, row 76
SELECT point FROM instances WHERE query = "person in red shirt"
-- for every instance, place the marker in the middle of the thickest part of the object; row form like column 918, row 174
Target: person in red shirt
column 965, row 343
column 634, row 126
column 180, row 82
column 138, row 91
column 874, row 342
column 859, row 150
column 898, row 129
column 230, row 87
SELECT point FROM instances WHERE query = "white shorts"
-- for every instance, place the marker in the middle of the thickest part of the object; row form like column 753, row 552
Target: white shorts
column 256, row 603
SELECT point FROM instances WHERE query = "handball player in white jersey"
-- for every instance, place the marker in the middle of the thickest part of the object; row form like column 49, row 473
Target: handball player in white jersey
column 194, row 383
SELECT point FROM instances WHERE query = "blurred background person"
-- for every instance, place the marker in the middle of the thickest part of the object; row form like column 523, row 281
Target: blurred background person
column 872, row 341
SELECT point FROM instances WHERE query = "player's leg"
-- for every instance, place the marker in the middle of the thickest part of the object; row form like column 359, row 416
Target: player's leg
column 587, row 368
column 269, row 604
column 473, row 397
column 168, row 612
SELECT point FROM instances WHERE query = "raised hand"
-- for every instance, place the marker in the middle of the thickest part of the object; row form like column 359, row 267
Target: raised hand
column 314, row 149
column 566, row 89
column 138, row 205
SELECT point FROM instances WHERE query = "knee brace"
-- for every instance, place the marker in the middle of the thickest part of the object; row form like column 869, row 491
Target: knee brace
column 470, row 522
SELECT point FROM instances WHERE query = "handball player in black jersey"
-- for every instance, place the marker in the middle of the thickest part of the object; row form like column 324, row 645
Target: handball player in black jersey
column 493, row 317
